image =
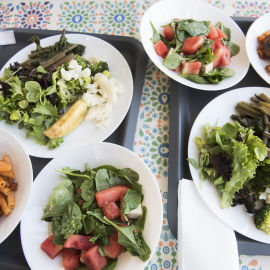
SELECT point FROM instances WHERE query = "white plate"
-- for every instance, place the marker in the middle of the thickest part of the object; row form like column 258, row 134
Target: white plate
column 258, row 27
column 221, row 108
column 10, row 145
column 87, row 131
column 34, row 231
column 163, row 12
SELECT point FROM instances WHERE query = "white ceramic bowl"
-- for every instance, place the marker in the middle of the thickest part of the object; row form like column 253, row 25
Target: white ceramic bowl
column 34, row 231
column 162, row 12
column 258, row 27
column 10, row 145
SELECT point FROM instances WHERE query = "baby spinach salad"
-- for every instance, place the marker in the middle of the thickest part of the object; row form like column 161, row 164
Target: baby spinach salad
column 236, row 158
column 196, row 50
column 91, row 212
column 34, row 94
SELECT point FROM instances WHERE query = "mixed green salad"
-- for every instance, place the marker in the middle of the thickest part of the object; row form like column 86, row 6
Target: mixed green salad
column 75, row 208
column 196, row 50
column 33, row 94
column 236, row 158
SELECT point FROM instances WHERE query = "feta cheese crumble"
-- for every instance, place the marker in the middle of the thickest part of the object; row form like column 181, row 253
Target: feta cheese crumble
column 100, row 94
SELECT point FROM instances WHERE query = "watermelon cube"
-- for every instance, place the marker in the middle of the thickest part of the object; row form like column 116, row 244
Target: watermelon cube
column 221, row 34
column 111, row 210
column 225, row 59
column 213, row 34
column 160, row 48
column 218, row 43
column 192, row 44
column 112, row 194
column 50, row 248
column 80, row 242
column 93, row 259
column 168, row 32
column 192, row 68
column 114, row 249
column 71, row 258
column 218, row 53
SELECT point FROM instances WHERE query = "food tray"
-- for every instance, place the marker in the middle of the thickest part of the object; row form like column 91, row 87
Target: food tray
column 186, row 104
column 11, row 253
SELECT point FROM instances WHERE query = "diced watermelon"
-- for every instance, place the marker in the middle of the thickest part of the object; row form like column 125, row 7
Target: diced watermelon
column 71, row 258
column 50, row 248
column 112, row 194
column 93, row 259
column 80, row 242
column 111, row 210
column 192, row 44
column 213, row 34
column 168, row 32
column 192, row 68
column 114, row 249
column 160, row 48
column 218, row 43
column 218, row 52
column 225, row 59
column 220, row 33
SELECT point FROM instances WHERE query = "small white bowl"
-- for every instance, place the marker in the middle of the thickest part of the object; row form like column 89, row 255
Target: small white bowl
column 162, row 12
column 258, row 27
column 10, row 145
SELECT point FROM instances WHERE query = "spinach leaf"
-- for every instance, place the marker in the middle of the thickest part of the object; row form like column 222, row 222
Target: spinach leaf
column 141, row 220
column 88, row 224
column 62, row 194
column 110, row 265
column 130, row 202
column 234, row 48
column 98, row 215
column 195, row 78
column 106, row 179
column 131, row 238
column 71, row 173
column 71, row 220
column 56, row 227
column 196, row 28
column 88, row 193
column 156, row 35
column 173, row 61
column 224, row 29
column 144, row 248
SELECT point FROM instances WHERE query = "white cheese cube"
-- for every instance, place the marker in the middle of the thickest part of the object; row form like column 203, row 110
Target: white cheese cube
column 206, row 68
column 136, row 213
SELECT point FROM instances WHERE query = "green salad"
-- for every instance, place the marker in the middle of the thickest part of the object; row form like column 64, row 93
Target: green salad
column 84, row 204
column 34, row 94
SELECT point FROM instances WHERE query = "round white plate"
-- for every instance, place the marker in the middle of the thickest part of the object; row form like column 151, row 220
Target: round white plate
column 34, row 231
column 87, row 131
column 258, row 27
column 221, row 108
column 162, row 12
column 10, row 145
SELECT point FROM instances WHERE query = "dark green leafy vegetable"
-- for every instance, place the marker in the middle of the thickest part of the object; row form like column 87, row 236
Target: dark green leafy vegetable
column 75, row 210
